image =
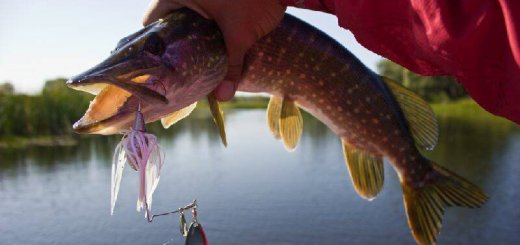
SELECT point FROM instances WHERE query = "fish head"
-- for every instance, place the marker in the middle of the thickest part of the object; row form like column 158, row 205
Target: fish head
column 164, row 67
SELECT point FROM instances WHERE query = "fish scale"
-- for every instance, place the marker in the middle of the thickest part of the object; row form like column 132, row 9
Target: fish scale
column 333, row 86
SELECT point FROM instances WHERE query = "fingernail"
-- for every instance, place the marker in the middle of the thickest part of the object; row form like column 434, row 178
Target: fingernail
column 225, row 90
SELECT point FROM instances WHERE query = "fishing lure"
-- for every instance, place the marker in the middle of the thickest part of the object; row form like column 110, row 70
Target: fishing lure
column 142, row 153
column 195, row 234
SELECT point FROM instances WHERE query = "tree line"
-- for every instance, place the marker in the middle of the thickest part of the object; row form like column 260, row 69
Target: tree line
column 431, row 88
column 51, row 112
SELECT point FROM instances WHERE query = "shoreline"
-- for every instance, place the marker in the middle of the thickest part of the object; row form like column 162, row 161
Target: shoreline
column 464, row 108
column 18, row 142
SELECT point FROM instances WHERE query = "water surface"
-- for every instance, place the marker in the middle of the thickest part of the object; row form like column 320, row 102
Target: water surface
column 253, row 192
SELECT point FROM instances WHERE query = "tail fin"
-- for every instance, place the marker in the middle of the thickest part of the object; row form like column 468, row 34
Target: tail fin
column 425, row 204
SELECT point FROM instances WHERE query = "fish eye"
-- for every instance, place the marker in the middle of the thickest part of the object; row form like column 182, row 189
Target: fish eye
column 154, row 44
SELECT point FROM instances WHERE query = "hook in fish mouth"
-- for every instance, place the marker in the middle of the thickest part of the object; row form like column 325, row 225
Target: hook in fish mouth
column 127, row 76
column 116, row 98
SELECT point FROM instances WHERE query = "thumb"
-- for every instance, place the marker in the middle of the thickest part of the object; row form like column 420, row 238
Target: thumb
column 158, row 9
column 227, row 88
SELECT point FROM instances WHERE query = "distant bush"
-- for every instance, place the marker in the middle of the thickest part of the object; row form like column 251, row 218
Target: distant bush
column 52, row 112
column 431, row 88
column 6, row 88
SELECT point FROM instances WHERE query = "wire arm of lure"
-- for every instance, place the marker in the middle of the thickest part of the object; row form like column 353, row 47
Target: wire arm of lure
column 192, row 205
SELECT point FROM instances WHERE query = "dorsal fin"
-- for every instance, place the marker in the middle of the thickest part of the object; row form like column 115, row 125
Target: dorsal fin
column 218, row 117
column 366, row 171
column 291, row 124
column 176, row 116
column 420, row 116
column 274, row 110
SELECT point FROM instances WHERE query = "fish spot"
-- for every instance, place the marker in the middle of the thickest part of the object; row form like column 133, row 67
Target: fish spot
column 270, row 73
column 321, row 82
column 303, row 76
column 340, row 108
column 333, row 74
column 260, row 54
column 349, row 102
column 288, row 71
column 367, row 99
column 314, row 95
column 375, row 120
column 396, row 132
column 321, row 101
column 300, row 54
column 329, row 107
column 283, row 50
column 356, row 110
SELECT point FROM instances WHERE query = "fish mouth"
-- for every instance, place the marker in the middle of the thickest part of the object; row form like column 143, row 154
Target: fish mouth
column 110, row 112
column 119, row 89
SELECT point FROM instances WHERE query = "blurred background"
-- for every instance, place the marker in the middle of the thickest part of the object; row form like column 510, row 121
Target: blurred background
column 54, row 184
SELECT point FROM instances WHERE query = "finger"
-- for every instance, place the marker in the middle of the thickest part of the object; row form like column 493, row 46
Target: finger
column 227, row 88
column 158, row 9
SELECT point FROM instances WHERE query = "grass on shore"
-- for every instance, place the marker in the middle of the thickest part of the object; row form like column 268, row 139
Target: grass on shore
column 468, row 110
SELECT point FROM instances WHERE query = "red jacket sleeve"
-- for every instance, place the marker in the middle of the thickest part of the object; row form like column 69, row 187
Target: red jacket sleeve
column 477, row 41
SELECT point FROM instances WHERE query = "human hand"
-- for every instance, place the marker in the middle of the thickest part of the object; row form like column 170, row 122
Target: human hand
column 242, row 23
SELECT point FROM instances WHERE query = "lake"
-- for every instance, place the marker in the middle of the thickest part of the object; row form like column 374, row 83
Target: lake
column 253, row 192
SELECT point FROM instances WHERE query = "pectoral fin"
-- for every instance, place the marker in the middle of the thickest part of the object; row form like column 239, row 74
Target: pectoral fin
column 420, row 116
column 274, row 110
column 176, row 116
column 291, row 124
column 366, row 171
column 218, row 117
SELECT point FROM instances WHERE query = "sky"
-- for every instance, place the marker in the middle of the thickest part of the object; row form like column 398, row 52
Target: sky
column 42, row 40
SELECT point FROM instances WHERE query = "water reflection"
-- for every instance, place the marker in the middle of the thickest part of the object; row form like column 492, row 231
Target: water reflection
column 253, row 188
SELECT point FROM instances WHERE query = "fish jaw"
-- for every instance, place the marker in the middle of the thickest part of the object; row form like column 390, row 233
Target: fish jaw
column 119, row 88
column 183, row 63
column 113, row 110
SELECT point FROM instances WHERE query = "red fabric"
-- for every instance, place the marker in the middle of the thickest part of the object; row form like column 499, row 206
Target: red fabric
column 477, row 41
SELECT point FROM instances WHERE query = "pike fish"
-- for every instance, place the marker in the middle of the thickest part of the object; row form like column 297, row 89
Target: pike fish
column 171, row 64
